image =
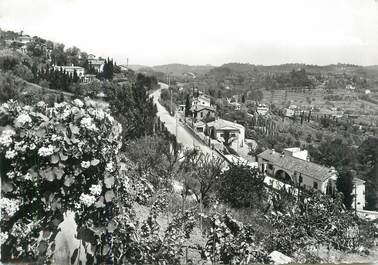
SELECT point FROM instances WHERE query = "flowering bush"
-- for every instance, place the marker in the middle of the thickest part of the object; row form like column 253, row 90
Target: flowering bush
column 55, row 159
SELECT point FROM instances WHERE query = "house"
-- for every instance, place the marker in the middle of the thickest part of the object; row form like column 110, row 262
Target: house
column 24, row 39
column 181, row 108
column 262, row 109
column 202, row 99
column 91, row 56
column 236, row 105
column 219, row 127
column 289, row 112
column 292, row 166
column 71, row 70
column 88, row 78
column 201, row 112
column 350, row 87
column 97, row 64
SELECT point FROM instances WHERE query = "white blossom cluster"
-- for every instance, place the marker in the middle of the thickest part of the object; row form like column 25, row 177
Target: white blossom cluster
column 95, row 189
column 46, row 151
column 10, row 206
column 21, row 120
column 3, row 237
column 78, row 103
column 87, row 122
column 20, row 146
column 10, row 154
column 87, row 199
column 6, row 137
column 85, row 164
column 109, row 167
column 55, row 138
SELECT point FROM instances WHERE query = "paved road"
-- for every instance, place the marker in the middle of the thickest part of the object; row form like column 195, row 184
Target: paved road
column 184, row 136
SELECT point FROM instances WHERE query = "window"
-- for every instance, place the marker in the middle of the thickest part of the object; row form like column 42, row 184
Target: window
column 315, row 185
column 201, row 114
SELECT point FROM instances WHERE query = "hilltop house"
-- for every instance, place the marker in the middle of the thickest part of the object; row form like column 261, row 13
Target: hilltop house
column 292, row 166
column 71, row 69
column 219, row 127
column 262, row 109
column 97, row 64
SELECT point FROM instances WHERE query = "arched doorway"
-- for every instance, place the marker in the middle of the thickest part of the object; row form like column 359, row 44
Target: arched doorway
column 283, row 176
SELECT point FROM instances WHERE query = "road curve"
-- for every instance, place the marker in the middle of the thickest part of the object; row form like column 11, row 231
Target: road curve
column 184, row 136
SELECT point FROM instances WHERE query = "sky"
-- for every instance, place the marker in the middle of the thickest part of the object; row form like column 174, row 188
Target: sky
column 197, row 32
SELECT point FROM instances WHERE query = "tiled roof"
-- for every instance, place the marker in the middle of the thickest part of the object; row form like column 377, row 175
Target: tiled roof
column 307, row 168
column 220, row 123
column 201, row 107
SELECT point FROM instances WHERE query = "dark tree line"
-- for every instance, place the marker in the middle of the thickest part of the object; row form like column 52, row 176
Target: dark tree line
column 58, row 78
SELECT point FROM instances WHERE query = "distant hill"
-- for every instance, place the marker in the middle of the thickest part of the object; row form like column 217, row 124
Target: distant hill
column 181, row 69
column 174, row 69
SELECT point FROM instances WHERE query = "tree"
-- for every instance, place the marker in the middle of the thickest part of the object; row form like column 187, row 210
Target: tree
column 242, row 186
column 345, row 185
column 368, row 168
column 201, row 172
column 187, row 106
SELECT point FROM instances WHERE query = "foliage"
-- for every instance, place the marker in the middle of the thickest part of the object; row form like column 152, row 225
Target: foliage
column 55, row 159
column 345, row 185
column 242, row 186
column 314, row 220
column 231, row 242
column 132, row 107
column 201, row 173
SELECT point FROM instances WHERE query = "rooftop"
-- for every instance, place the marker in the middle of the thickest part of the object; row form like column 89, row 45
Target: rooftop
column 307, row 168
column 224, row 124
column 201, row 107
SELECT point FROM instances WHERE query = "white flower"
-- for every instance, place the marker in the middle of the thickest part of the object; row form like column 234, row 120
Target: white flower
column 46, row 151
column 78, row 103
column 41, row 104
column 55, row 138
column 3, row 238
column 98, row 114
column 10, row 154
column 65, row 114
column 6, row 137
column 32, row 146
column 109, row 167
column 85, row 164
column 87, row 200
column 22, row 119
column 10, row 206
column 11, row 174
column 95, row 189
column 87, row 123
column 28, row 176
column 20, row 147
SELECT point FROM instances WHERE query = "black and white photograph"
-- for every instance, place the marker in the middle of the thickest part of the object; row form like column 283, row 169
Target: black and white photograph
column 182, row 132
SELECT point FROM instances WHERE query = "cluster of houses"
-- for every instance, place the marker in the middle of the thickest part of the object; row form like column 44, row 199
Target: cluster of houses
column 97, row 64
column 292, row 167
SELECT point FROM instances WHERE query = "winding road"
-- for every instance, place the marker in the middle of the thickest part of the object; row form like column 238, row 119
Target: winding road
column 184, row 135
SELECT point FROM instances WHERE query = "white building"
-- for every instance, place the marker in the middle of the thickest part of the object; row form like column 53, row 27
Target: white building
column 292, row 166
column 71, row 69
column 262, row 109
column 219, row 127
column 202, row 99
